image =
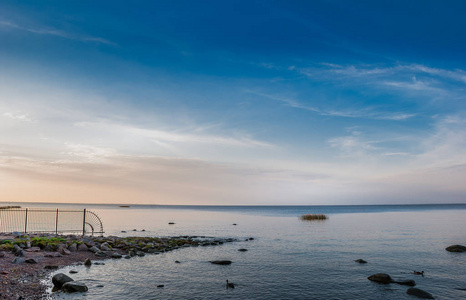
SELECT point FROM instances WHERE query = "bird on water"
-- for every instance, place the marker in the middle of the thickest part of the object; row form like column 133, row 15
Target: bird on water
column 230, row 285
column 418, row 273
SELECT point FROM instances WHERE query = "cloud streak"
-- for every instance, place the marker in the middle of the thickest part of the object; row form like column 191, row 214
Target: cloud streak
column 366, row 113
column 57, row 33
column 166, row 137
column 427, row 81
column 19, row 117
column 151, row 179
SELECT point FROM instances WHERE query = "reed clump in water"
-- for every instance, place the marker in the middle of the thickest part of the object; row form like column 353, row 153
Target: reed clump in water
column 9, row 207
column 313, row 217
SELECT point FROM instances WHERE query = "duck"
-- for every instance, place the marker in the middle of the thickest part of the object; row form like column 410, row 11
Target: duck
column 418, row 273
column 230, row 285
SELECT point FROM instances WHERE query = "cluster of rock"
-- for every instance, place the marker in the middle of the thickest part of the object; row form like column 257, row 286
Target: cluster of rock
column 102, row 247
column 67, row 284
column 387, row 279
column 114, row 247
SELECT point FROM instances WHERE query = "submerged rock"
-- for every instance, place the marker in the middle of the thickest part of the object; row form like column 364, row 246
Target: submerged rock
column 361, row 261
column 74, row 286
column 87, row 262
column 456, row 248
column 381, row 278
column 221, row 262
column 408, row 282
column 60, row 279
column 419, row 293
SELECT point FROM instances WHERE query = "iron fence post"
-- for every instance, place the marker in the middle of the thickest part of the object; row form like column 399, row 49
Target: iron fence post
column 84, row 222
column 56, row 224
column 26, row 222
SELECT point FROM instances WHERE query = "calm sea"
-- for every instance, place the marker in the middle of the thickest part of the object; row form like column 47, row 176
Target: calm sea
column 288, row 258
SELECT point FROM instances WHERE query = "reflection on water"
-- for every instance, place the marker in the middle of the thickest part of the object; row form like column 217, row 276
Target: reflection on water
column 288, row 258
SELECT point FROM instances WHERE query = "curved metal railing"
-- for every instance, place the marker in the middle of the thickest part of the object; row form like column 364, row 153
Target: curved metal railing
column 42, row 220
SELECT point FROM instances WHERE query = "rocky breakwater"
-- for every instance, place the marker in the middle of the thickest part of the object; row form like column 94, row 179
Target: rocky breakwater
column 127, row 247
column 25, row 260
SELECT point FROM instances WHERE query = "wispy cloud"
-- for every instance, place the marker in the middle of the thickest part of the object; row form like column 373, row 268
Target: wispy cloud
column 151, row 179
column 88, row 152
column 367, row 112
column 56, row 32
column 427, row 81
column 354, row 145
column 167, row 137
column 19, row 116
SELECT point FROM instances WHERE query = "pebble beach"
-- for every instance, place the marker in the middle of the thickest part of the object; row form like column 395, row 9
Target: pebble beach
column 27, row 260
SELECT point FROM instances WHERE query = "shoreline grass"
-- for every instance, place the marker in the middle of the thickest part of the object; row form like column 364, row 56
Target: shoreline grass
column 9, row 207
column 313, row 217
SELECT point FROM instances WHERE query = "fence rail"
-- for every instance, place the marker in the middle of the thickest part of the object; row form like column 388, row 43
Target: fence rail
column 58, row 221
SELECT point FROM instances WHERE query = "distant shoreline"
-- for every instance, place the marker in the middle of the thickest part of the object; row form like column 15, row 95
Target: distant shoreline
column 239, row 205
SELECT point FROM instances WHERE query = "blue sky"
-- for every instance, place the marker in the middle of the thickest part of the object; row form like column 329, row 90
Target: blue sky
column 233, row 102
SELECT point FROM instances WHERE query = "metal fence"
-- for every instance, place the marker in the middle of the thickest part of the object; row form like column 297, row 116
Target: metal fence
column 58, row 221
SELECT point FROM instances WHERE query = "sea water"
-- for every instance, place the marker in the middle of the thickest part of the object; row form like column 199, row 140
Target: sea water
column 288, row 258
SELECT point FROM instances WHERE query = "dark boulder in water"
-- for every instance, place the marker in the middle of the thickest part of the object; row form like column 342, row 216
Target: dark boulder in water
column 221, row 262
column 361, row 261
column 456, row 248
column 73, row 287
column 381, row 278
column 60, row 279
column 419, row 293
column 408, row 282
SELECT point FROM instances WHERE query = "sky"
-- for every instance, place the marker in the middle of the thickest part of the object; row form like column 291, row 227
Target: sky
column 233, row 102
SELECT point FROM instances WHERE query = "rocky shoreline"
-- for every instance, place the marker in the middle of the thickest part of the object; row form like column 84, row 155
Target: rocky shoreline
column 25, row 260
